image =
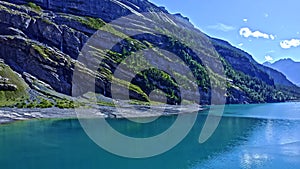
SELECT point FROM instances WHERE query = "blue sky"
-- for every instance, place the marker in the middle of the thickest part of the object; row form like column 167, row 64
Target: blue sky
column 267, row 29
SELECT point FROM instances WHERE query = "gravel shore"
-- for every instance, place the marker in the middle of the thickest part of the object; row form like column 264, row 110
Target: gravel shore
column 8, row 115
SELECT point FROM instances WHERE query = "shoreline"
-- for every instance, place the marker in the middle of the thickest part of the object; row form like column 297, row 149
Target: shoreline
column 131, row 112
column 9, row 115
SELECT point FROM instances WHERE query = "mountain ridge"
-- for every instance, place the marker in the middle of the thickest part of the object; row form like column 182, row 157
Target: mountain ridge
column 43, row 47
column 277, row 76
column 287, row 66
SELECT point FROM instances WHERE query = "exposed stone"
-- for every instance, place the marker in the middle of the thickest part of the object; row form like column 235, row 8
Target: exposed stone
column 22, row 57
column 44, row 45
column 8, row 87
column 108, row 10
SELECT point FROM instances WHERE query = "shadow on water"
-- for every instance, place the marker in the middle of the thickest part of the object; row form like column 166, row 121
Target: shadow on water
column 63, row 144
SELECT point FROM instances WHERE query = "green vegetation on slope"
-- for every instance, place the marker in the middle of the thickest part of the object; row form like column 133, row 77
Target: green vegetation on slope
column 46, row 102
column 40, row 50
column 9, row 77
column 34, row 6
column 95, row 23
column 257, row 89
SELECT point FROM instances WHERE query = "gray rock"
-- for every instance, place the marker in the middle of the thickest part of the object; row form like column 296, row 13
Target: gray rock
column 108, row 10
column 8, row 87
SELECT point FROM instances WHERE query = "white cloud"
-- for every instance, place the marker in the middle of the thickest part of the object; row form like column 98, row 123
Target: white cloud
column 258, row 34
column 286, row 44
column 240, row 44
column 272, row 37
column 245, row 20
column 246, row 32
column 268, row 58
column 222, row 27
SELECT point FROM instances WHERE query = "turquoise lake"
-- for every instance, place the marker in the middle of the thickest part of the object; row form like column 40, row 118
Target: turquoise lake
column 248, row 136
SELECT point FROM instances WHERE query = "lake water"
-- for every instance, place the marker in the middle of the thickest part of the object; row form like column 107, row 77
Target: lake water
column 249, row 136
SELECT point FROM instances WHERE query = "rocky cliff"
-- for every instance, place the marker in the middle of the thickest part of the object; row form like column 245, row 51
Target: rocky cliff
column 108, row 10
column 40, row 41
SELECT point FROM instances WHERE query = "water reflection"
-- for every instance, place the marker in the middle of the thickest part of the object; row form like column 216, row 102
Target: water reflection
column 270, row 144
column 62, row 143
column 238, row 142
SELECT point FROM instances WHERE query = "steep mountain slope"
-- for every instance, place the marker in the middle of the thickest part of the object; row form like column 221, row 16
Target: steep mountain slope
column 288, row 67
column 12, row 86
column 42, row 44
column 107, row 10
column 245, row 63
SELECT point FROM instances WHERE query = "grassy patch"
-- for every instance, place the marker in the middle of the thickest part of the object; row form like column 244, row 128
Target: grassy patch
column 132, row 87
column 46, row 20
column 8, row 103
column 45, row 104
column 103, row 103
column 9, row 98
column 42, row 103
column 34, row 6
column 40, row 50
column 64, row 103
column 138, row 102
column 14, row 12
column 94, row 23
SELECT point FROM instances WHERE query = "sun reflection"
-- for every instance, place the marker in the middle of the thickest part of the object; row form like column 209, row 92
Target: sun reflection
column 250, row 160
column 269, row 131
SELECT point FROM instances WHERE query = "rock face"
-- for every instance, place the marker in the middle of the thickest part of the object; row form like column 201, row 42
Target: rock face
column 23, row 56
column 8, row 87
column 238, row 96
column 43, row 45
column 108, row 10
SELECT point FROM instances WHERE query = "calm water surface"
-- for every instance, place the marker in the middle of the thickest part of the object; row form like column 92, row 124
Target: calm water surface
column 249, row 136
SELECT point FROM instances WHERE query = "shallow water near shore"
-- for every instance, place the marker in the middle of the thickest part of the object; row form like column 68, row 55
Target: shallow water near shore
column 249, row 136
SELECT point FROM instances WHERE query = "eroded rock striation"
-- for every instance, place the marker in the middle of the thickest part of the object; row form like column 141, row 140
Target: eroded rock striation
column 41, row 42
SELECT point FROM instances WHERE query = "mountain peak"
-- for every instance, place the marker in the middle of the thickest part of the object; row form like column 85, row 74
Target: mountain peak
column 267, row 63
column 288, row 67
column 285, row 60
